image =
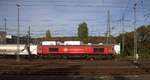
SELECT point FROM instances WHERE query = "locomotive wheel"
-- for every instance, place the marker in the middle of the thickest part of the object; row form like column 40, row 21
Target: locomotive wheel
column 64, row 57
column 91, row 58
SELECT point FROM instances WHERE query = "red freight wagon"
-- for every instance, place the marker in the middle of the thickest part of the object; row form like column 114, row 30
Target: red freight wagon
column 93, row 51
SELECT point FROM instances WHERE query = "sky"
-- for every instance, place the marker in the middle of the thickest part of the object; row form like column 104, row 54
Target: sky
column 62, row 17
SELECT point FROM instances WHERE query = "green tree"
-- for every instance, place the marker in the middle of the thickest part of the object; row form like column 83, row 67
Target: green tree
column 128, row 42
column 143, row 40
column 143, row 33
column 48, row 35
column 83, row 32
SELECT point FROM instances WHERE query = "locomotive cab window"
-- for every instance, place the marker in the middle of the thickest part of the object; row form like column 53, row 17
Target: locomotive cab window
column 98, row 49
column 111, row 49
column 53, row 49
column 39, row 49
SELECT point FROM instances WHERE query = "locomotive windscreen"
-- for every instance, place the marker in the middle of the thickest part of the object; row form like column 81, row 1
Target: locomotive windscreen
column 98, row 49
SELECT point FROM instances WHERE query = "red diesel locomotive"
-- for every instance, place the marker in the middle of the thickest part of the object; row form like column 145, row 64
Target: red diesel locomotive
column 88, row 51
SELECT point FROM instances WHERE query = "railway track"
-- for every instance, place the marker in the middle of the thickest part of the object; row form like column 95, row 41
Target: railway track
column 71, row 67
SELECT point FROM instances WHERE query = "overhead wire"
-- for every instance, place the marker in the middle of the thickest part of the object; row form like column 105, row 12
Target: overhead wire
column 110, row 6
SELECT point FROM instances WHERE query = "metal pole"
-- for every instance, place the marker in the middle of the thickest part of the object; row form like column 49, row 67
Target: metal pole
column 108, row 28
column 123, row 34
column 18, row 40
column 135, row 37
column 5, row 35
column 5, row 24
column 5, row 21
column 28, row 48
column 29, row 38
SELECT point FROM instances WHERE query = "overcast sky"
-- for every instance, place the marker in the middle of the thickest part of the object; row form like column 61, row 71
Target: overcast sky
column 63, row 16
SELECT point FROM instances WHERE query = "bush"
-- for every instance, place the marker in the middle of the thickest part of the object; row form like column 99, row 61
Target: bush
column 144, row 53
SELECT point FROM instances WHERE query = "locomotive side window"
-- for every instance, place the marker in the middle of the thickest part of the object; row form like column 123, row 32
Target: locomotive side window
column 53, row 49
column 98, row 49
column 111, row 49
column 39, row 49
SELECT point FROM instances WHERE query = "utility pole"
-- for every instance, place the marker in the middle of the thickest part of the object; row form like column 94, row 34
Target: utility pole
column 123, row 34
column 5, row 24
column 5, row 20
column 135, row 37
column 18, row 39
column 108, row 27
column 29, row 37
column 28, row 46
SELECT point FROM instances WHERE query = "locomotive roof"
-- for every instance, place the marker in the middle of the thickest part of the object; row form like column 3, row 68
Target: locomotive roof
column 96, row 45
